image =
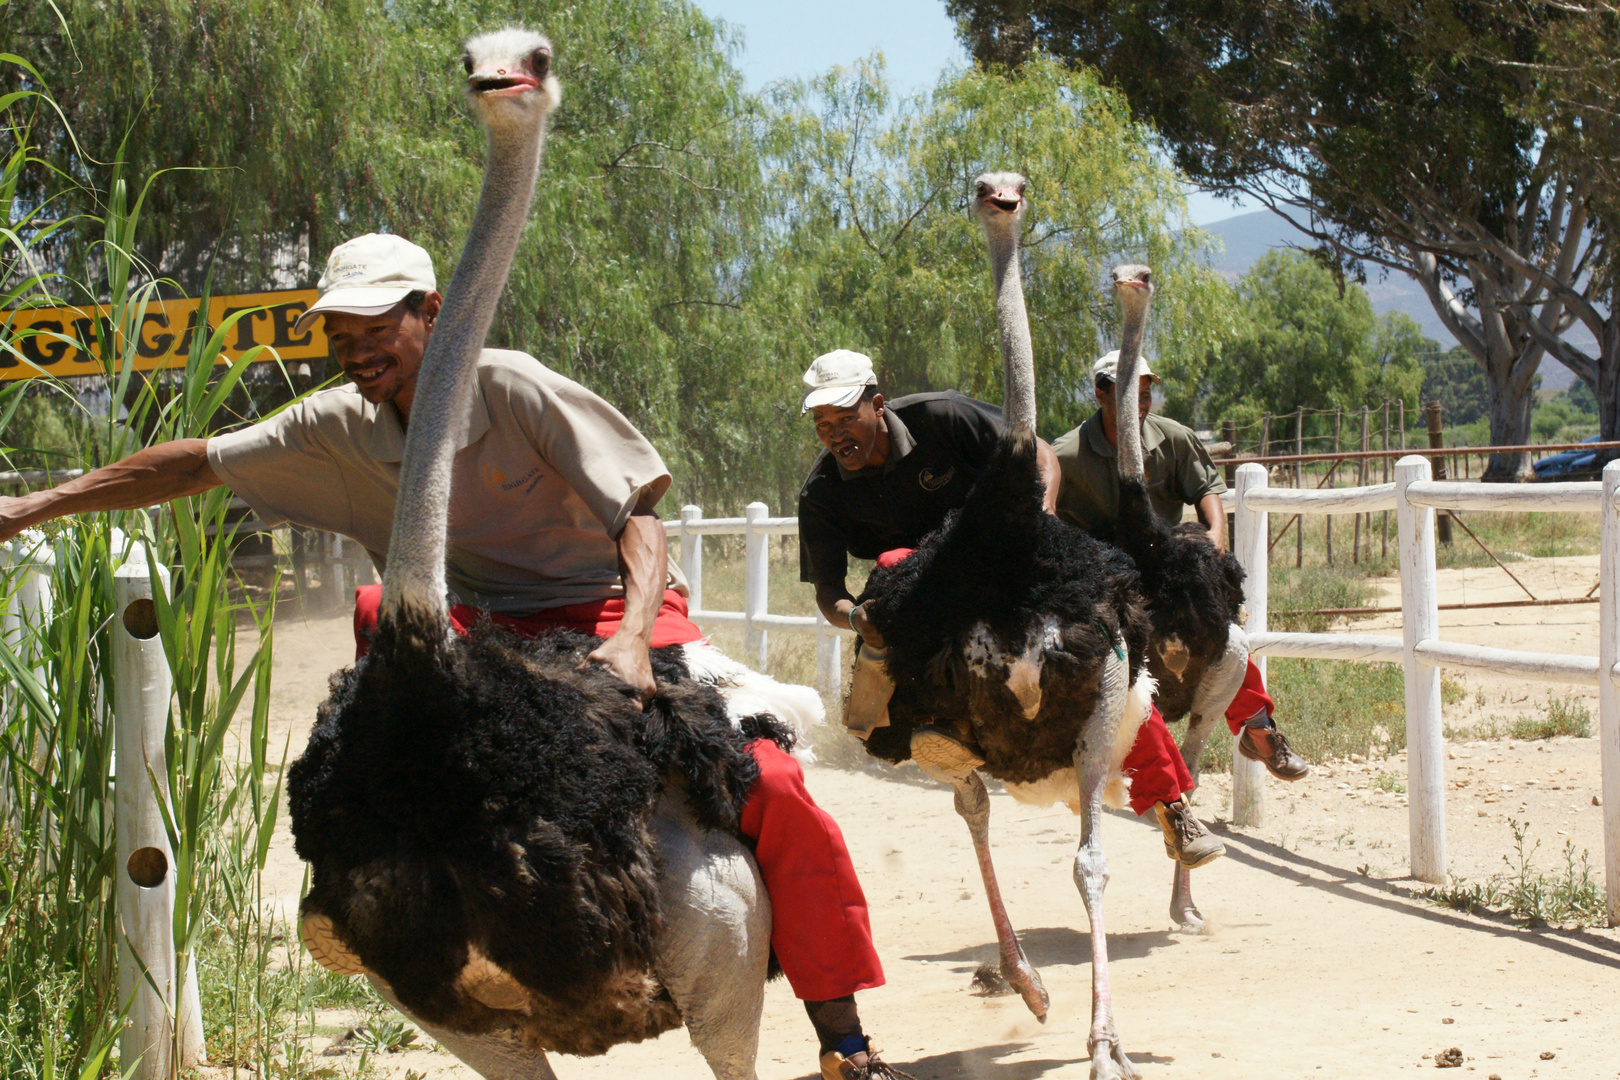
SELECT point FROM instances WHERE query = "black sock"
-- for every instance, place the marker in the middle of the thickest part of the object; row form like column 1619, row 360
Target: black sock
column 837, row 1024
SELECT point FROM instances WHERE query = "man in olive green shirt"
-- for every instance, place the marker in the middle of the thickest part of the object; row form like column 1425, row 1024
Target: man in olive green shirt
column 1179, row 474
column 1179, row 471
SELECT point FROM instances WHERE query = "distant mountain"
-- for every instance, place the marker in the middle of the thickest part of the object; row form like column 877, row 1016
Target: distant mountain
column 1249, row 236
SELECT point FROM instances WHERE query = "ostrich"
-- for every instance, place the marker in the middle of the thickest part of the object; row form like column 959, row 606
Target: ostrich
column 1029, row 630
column 517, row 855
column 1194, row 591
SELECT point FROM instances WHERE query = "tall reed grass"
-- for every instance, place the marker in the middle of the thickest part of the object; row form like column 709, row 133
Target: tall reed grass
column 59, row 923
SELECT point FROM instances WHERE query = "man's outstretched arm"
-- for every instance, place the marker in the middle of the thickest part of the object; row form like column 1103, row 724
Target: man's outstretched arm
column 157, row 474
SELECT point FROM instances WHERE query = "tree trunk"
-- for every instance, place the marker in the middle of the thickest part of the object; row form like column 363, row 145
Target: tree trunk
column 1510, row 426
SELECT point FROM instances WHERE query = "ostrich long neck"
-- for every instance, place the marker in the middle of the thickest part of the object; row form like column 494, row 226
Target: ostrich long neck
column 1128, row 391
column 416, row 552
column 1012, row 321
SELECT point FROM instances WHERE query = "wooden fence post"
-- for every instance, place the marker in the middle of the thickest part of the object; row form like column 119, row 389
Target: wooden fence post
column 1229, row 436
column 32, row 603
column 756, row 581
column 1338, row 427
column 1383, row 542
column 1437, row 441
column 1299, row 482
column 1420, row 621
column 147, row 978
column 1250, row 537
column 692, row 557
column 1608, row 691
column 1361, row 481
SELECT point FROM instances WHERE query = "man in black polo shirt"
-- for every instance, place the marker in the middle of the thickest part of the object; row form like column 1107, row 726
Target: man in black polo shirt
column 888, row 474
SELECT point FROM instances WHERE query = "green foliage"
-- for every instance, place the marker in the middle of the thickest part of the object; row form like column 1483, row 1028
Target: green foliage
column 1302, row 341
column 1331, row 709
column 881, row 254
column 1572, row 897
column 1455, row 379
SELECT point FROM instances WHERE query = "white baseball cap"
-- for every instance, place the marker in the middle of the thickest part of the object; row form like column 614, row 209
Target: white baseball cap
column 370, row 274
column 1107, row 367
column 837, row 378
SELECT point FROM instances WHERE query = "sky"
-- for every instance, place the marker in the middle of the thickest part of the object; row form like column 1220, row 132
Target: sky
column 784, row 39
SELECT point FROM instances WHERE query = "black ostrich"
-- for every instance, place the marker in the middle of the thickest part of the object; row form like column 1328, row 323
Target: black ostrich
column 498, row 836
column 1029, row 630
column 1198, row 653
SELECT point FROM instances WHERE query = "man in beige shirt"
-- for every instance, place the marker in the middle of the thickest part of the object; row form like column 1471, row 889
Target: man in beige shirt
column 551, row 523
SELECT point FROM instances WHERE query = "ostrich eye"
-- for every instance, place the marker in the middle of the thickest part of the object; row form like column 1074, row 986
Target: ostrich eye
column 983, row 190
column 466, row 62
column 1022, row 188
column 540, row 61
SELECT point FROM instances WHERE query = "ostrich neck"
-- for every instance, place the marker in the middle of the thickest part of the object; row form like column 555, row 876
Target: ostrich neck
column 1012, row 321
column 1128, row 394
column 416, row 550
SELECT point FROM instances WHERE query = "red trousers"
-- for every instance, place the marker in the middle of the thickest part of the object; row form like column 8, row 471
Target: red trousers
column 1157, row 770
column 819, row 926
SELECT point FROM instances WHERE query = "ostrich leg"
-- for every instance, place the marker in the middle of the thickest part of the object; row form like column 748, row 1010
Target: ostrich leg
column 1091, row 762
column 1215, row 692
column 973, row 803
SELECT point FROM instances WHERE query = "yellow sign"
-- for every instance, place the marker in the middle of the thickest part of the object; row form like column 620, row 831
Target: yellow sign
column 164, row 340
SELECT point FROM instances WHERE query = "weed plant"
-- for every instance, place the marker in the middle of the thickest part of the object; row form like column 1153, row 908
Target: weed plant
column 1569, row 897
column 1557, row 716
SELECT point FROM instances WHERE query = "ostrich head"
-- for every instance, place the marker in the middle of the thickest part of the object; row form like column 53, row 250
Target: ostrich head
column 998, row 200
column 1133, row 284
column 509, row 78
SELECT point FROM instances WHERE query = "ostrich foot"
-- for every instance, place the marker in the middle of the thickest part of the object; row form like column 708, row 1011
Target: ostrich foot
column 1183, row 910
column 1108, row 1062
column 1022, row 977
column 319, row 935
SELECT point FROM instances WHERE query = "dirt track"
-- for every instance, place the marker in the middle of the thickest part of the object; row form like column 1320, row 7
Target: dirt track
column 1310, row 967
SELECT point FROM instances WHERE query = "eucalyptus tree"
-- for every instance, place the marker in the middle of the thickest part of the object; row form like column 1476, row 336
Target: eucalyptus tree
column 879, row 253
column 1395, row 135
column 1302, row 342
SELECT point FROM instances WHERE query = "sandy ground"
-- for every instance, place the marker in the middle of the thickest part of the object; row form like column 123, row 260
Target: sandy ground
column 1319, row 959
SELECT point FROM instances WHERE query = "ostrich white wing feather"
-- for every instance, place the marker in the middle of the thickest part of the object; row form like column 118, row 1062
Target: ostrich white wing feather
column 749, row 693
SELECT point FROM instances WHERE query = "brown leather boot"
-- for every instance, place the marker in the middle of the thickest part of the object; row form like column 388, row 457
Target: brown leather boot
column 870, row 689
column 1185, row 839
column 862, row 1066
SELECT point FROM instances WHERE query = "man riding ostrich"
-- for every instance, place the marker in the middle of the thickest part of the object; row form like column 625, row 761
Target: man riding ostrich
column 531, row 501
column 1023, row 635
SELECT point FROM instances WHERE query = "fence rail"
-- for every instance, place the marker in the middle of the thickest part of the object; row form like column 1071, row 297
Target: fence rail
column 756, row 526
column 1420, row 650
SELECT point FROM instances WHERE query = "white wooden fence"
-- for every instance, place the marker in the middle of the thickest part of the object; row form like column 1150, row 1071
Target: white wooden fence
column 756, row 527
column 1421, row 651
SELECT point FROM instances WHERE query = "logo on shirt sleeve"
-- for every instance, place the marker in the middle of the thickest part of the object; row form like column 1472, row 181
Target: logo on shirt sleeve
column 930, row 481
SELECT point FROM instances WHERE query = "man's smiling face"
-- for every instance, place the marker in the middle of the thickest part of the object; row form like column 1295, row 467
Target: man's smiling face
column 381, row 354
column 851, row 433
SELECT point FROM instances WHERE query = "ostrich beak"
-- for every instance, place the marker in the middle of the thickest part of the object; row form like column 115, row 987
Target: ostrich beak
column 1024, row 680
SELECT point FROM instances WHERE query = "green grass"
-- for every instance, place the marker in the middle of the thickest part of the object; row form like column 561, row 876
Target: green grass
column 1331, row 709
column 1570, row 897
column 1555, row 717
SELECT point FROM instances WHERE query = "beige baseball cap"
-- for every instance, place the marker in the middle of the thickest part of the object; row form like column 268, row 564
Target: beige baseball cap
column 370, row 274
column 837, row 378
column 1107, row 367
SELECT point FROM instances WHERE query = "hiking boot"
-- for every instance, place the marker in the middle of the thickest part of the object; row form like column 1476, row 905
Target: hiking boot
column 951, row 750
column 870, row 689
column 1185, row 840
column 1262, row 742
column 862, row 1066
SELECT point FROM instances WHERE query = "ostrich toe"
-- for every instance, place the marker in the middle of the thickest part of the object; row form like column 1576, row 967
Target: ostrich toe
column 489, row 984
